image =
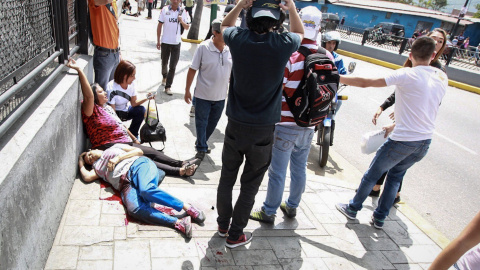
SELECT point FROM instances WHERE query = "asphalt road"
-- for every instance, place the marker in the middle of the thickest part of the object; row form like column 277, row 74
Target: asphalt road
column 444, row 186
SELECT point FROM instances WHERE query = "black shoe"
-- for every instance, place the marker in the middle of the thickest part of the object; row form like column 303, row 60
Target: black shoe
column 200, row 155
column 209, row 150
column 373, row 193
column 397, row 200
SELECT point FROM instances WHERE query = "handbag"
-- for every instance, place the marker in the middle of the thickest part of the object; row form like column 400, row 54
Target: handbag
column 153, row 130
column 371, row 141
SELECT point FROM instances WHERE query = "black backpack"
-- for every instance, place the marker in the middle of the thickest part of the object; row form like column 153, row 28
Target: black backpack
column 310, row 102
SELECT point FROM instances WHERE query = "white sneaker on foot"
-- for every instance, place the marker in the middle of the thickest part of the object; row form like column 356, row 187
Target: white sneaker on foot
column 192, row 111
column 164, row 81
column 168, row 91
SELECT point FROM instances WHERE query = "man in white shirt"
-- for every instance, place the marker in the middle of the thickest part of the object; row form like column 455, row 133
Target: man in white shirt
column 213, row 61
column 171, row 20
column 419, row 92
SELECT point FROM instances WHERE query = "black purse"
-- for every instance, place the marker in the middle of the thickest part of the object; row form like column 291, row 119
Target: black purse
column 153, row 130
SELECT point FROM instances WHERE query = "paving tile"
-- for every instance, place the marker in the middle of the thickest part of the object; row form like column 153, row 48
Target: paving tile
column 301, row 263
column 366, row 230
column 408, row 267
column 396, row 257
column 378, row 244
column 184, row 263
column 85, row 191
column 120, row 233
column 86, row 235
column 267, row 267
column 112, row 207
column 113, row 220
column 132, row 255
column 173, row 248
column 286, row 247
column 421, row 253
column 96, row 253
column 338, row 263
column 83, row 212
column 254, row 257
column 367, row 259
column 319, row 247
column 213, row 252
column 62, row 257
column 95, row 265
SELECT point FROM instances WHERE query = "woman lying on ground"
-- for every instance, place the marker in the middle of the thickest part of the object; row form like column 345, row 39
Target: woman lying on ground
column 105, row 129
column 137, row 178
column 440, row 37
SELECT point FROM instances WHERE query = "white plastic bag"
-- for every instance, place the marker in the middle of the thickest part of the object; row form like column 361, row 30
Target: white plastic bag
column 372, row 140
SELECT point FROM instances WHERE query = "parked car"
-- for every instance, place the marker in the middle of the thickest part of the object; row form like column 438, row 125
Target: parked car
column 329, row 21
column 389, row 28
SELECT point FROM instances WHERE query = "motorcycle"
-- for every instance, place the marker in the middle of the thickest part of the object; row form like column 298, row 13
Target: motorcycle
column 327, row 127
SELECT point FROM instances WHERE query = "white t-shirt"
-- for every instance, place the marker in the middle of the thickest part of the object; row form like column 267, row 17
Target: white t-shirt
column 418, row 95
column 121, row 103
column 214, row 71
column 171, row 32
column 470, row 260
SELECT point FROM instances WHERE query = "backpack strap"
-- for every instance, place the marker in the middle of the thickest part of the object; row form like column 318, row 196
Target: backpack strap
column 304, row 51
column 119, row 93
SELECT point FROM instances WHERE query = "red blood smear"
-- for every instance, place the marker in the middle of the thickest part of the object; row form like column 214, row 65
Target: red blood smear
column 164, row 209
column 115, row 197
column 219, row 253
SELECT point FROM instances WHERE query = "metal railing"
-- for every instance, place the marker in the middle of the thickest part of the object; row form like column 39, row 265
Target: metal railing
column 452, row 56
column 37, row 37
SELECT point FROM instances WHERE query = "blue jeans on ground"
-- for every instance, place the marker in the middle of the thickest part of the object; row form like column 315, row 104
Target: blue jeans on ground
column 171, row 52
column 207, row 114
column 255, row 144
column 104, row 65
column 395, row 157
column 143, row 189
column 291, row 144
column 136, row 114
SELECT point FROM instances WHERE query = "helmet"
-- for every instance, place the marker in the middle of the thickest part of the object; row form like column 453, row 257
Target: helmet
column 332, row 35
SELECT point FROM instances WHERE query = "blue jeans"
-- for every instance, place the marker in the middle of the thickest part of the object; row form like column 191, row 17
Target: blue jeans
column 291, row 144
column 104, row 65
column 395, row 157
column 143, row 189
column 207, row 114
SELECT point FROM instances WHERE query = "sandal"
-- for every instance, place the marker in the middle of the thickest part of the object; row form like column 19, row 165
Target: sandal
column 189, row 166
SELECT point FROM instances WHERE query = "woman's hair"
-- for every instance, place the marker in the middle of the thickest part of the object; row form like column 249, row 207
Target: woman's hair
column 408, row 63
column 124, row 68
column 263, row 24
column 94, row 87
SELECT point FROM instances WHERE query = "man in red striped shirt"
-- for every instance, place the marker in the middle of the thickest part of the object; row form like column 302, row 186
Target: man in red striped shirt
column 292, row 142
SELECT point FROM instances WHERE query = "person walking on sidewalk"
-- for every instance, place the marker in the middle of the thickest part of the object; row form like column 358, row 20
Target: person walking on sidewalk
column 171, row 20
column 254, row 104
column 292, row 142
column 418, row 94
column 213, row 61
column 105, row 32
column 189, row 7
column 149, row 7
column 137, row 178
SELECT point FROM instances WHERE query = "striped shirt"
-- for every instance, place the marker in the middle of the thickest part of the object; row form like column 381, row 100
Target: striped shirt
column 293, row 76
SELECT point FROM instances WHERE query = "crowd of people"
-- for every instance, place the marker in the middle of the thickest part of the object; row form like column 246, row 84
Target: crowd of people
column 261, row 131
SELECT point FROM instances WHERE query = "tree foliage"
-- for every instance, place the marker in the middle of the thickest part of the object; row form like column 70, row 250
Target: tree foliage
column 431, row 4
column 477, row 14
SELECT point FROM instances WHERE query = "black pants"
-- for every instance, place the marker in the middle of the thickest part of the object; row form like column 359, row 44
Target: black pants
column 169, row 165
column 382, row 179
column 190, row 12
column 172, row 53
column 149, row 6
column 255, row 144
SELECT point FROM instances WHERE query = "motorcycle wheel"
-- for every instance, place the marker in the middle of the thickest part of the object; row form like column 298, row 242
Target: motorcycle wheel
column 324, row 143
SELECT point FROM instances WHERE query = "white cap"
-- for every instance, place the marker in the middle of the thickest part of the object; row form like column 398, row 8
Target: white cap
column 311, row 18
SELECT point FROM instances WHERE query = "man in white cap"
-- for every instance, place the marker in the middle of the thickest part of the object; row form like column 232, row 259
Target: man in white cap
column 292, row 142
column 254, row 103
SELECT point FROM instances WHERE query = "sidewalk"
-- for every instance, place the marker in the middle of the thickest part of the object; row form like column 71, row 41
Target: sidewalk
column 96, row 234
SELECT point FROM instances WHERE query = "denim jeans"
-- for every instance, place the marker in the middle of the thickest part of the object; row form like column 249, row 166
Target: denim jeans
column 255, row 144
column 171, row 52
column 104, row 65
column 291, row 144
column 143, row 189
column 207, row 114
column 395, row 157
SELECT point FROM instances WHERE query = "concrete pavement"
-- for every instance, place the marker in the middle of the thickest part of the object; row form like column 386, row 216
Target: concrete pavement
column 96, row 234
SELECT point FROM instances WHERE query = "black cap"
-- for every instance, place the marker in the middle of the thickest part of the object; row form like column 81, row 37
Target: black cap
column 266, row 8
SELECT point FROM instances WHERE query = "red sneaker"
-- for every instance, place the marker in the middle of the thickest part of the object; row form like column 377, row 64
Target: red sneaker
column 197, row 215
column 242, row 240
column 222, row 232
column 185, row 226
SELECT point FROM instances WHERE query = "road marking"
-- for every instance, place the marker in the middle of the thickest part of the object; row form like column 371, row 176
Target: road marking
column 457, row 144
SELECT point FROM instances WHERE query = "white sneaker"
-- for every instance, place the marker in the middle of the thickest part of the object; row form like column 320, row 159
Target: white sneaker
column 168, row 91
column 192, row 111
column 164, row 81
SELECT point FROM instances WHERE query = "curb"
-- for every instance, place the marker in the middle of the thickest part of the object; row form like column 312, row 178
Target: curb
column 453, row 83
column 425, row 226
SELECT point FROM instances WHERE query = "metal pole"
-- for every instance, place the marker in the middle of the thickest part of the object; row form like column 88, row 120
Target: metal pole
column 82, row 22
column 460, row 16
column 213, row 11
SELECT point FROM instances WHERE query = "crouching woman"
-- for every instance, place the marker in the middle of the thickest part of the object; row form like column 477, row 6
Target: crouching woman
column 137, row 178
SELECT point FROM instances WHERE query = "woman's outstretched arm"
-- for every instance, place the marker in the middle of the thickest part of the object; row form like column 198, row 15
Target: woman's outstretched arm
column 88, row 98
